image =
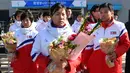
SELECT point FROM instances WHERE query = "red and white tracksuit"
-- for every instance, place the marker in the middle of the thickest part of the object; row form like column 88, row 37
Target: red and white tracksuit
column 76, row 26
column 41, row 25
column 94, row 58
column 16, row 25
column 23, row 62
column 40, row 50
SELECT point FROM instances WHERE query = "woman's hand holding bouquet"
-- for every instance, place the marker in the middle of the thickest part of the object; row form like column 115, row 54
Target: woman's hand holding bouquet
column 9, row 41
column 59, row 53
column 10, row 44
column 108, row 46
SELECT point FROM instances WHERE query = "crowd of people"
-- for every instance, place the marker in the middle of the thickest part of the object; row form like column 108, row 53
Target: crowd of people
column 33, row 38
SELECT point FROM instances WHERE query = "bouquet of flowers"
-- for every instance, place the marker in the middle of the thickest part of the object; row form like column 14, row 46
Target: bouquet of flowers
column 9, row 41
column 107, row 46
column 61, row 51
column 95, row 27
column 84, row 27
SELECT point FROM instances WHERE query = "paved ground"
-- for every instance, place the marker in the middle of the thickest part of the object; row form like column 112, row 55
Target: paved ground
column 123, row 63
column 7, row 69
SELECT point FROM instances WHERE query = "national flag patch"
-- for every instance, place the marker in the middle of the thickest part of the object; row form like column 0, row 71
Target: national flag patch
column 30, row 36
column 113, row 32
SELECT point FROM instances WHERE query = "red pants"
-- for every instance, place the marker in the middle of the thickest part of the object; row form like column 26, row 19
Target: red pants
column 43, row 61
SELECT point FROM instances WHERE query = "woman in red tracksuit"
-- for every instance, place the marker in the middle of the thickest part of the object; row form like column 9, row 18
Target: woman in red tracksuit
column 56, row 27
column 25, row 38
column 92, row 19
column 93, row 57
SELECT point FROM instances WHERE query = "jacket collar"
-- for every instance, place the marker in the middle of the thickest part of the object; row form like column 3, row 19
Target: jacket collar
column 57, row 32
column 77, row 22
column 27, row 30
column 107, row 24
column 17, row 23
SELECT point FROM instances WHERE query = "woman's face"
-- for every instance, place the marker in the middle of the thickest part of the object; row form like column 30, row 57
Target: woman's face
column 26, row 23
column 106, row 14
column 59, row 18
column 46, row 18
column 96, row 14
column 69, row 13
column 18, row 17
column 80, row 18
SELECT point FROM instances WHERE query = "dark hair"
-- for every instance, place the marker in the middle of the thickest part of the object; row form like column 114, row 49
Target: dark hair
column 11, row 19
column 79, row 14
column 27, row 14
column 106, row 5
column 46, row 14
column 56, row 7
column 68, row 8
column 40, row 14
column 94, row 8
column 17, row 13
column 115, row 14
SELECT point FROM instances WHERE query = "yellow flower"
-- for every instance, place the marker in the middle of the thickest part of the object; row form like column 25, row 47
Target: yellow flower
column 9, row 41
